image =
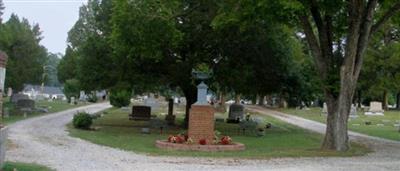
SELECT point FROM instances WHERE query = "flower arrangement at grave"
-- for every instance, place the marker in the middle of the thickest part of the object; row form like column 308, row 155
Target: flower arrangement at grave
column 189, row 141
column 203, row 141
column 226, row 140
column 179, row 139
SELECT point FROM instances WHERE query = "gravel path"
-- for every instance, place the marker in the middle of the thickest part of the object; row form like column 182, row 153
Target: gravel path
column 43, row 140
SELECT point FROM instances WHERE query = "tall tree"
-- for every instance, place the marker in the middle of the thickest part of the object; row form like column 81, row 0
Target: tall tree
column 50, row 69
column 88, row 57
column 337, row 34
column 68, row 66
column 164, row 42
column 27, row 57
column 358, row 28
column 1, row 11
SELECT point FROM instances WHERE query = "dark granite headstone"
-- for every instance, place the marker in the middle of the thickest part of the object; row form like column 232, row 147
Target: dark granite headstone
column 25, row 104
column 236, row 112
column 16, row 97
column 140, row 113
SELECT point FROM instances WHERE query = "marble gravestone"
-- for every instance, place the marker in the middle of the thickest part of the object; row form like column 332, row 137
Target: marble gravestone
column 375, row 109
column 9, row 92
column 82, row 96
column 325, row 109
column 152, row 102
column 353, row 111
column 72, row 100
column 16, row 97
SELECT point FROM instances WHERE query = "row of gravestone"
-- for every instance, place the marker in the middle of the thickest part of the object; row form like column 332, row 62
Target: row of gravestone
column 23, row 105
column 375, row 109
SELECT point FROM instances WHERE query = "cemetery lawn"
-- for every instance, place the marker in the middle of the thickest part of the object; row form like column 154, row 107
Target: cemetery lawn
column 10, row 166
column 54, row 106
column 388, row 130
column 282, row 140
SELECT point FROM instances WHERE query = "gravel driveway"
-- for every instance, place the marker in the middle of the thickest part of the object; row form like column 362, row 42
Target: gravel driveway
column 44, row 140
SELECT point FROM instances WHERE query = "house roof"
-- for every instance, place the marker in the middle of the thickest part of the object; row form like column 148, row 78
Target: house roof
column 46, row 89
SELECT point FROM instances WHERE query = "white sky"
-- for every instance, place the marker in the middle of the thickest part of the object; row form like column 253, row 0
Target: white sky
column 55, row 18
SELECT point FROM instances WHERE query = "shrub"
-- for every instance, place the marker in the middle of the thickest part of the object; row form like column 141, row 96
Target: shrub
column 92, row 98
column 71, row 88
column 82, row 121
column 120, row 95
column 120, row 98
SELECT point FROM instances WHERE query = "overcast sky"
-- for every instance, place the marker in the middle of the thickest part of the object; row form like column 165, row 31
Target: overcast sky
column 55, row 18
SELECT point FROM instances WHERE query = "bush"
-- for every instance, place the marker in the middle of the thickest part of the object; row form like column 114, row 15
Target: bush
column 92, row 98
column 120, row 98
column 71, row 88
column 120, row 95
column 82, row 121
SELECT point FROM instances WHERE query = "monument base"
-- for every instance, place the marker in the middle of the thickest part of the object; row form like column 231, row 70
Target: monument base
column 201, row 123
column 197, row 147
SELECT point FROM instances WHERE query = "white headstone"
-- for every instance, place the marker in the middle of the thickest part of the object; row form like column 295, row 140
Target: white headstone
column 202, row 94
column 2, row 77
column 72, row 100
column 353, row 111
column 325, row 109
column 9, row 92
column 151, row 102
column 82, row 96
column 375, row 108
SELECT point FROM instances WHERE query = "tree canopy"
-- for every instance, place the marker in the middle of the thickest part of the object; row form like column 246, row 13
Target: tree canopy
column 20, row 41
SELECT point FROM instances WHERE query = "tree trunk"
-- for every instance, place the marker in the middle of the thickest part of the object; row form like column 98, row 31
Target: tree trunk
column 359, row 98
column 336, row 137
column 261, row 101
column 385, row 100
column 254, row 99
column 191, row 97
column 170, row 106
column 398, row 101
column 361, row 25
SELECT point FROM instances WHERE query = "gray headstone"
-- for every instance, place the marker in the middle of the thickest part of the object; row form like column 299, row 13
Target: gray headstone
column 16, row 97
column 202, row 94
column 236, row 111
column 6, row 112
column 25, row 104
column 353, row 111
column 9, row 92
column 325, row 109
column 82, row 96
column 72, row 100
column 151, row 102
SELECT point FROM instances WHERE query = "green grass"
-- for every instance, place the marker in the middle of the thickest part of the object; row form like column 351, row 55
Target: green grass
column 10, row 166
column 54, row 106
column 283, row 140
column 388, row 131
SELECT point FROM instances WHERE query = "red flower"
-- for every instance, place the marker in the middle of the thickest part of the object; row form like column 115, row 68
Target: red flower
column 225, row 140
column 203, row 141
column 170, row 138
column 179, row 139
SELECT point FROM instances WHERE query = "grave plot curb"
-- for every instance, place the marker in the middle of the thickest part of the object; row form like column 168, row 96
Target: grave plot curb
column 3, row 139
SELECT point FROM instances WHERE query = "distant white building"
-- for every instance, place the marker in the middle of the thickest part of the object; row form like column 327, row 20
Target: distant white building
column 35, row 92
